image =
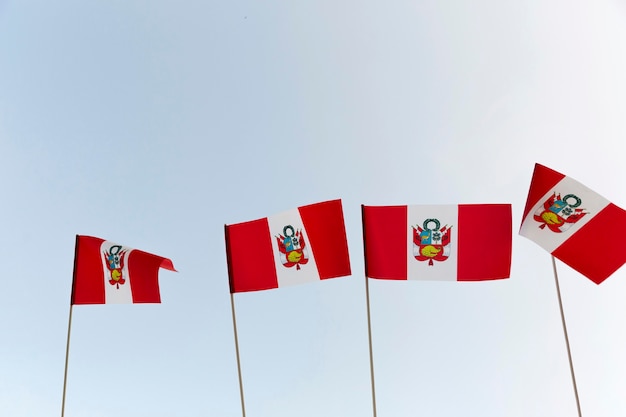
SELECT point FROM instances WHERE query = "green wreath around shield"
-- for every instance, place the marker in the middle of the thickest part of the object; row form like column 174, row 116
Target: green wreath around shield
column 289, row 227
column 427, row 221
column 578, row 200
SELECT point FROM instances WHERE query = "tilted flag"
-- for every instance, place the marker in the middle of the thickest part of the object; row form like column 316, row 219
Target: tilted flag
column 298, row 246
column 575, row 224
column 465, row 242
column 108, row 273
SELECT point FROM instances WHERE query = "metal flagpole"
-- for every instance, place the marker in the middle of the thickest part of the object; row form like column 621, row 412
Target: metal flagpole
column 369, row 321
column 232, row 305
column 569, row 352
column 67, row 355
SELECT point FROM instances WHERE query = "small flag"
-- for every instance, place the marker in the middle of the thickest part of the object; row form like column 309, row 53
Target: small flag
column 298, row 246
column 575, row 224
column 108, row 273
column 466, row 242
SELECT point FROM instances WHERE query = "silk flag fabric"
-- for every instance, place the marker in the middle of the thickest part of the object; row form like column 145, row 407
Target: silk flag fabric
column 467, row 242
column 303, row 245
column 109, row 273
column 575, row 224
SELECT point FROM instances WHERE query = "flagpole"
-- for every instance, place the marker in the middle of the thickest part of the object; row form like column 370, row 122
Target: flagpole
column 69, row 326
column 369, row 334
column 369, row 321
column 569, row 352
column 232, row 305
column 232, row 308
column 67, row 355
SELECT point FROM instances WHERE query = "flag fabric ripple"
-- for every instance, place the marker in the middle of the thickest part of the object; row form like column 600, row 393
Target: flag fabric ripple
column 575, row 224
column 301, row 245
column 465, row 242
column 108, row 273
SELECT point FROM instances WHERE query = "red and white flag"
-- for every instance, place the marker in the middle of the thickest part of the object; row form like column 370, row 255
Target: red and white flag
column 575, row 224
column 465, row 242
column 298, row 246
column 108, row 273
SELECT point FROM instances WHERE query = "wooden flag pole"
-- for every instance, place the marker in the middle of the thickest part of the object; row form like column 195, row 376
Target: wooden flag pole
column 232, row 305
column 369, row 321
column 69, row 327
column 569, row 352
column 369, row 334
column 232, row 308
column 67, row 355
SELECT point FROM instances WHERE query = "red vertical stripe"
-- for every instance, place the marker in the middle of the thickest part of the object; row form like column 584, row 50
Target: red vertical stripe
column 385, row 235
column 88, row 285
column 596, row 250
column 544, row 179
column 143, row 269
column 250, row 258
column 485, row 235
column 324, row 224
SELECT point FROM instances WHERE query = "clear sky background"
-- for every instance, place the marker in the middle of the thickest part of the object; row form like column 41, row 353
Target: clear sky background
column 154, row 123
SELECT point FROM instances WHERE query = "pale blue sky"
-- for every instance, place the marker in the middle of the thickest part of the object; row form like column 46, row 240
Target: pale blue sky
column 154, row 123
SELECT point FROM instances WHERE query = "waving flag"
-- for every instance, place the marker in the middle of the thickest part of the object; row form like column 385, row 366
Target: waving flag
column 575, row 224
column 466, row 242
column 108, row 273
column 298, row 246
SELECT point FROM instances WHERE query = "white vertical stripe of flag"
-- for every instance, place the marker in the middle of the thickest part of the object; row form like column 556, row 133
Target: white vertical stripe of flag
column 112, row 294
column 292, row 276
column 440, row 271
column 592, row 202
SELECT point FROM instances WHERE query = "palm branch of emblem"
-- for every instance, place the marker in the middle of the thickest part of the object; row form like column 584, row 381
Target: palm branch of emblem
column 293, row 257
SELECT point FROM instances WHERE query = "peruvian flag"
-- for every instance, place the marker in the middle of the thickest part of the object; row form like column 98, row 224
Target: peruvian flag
column 575, row 224
column 109, row 273
column 298, row 246
column 465, row 242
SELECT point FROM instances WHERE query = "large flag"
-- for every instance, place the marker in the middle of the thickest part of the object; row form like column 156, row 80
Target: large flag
column 108, row 273
column 301, row 245
column 465, row 242
column 575, row 224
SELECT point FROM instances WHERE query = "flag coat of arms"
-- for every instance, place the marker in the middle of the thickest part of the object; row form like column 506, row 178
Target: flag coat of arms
column 109, row 273
column 466, row 242
column 574, row 223
column 298, row 246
